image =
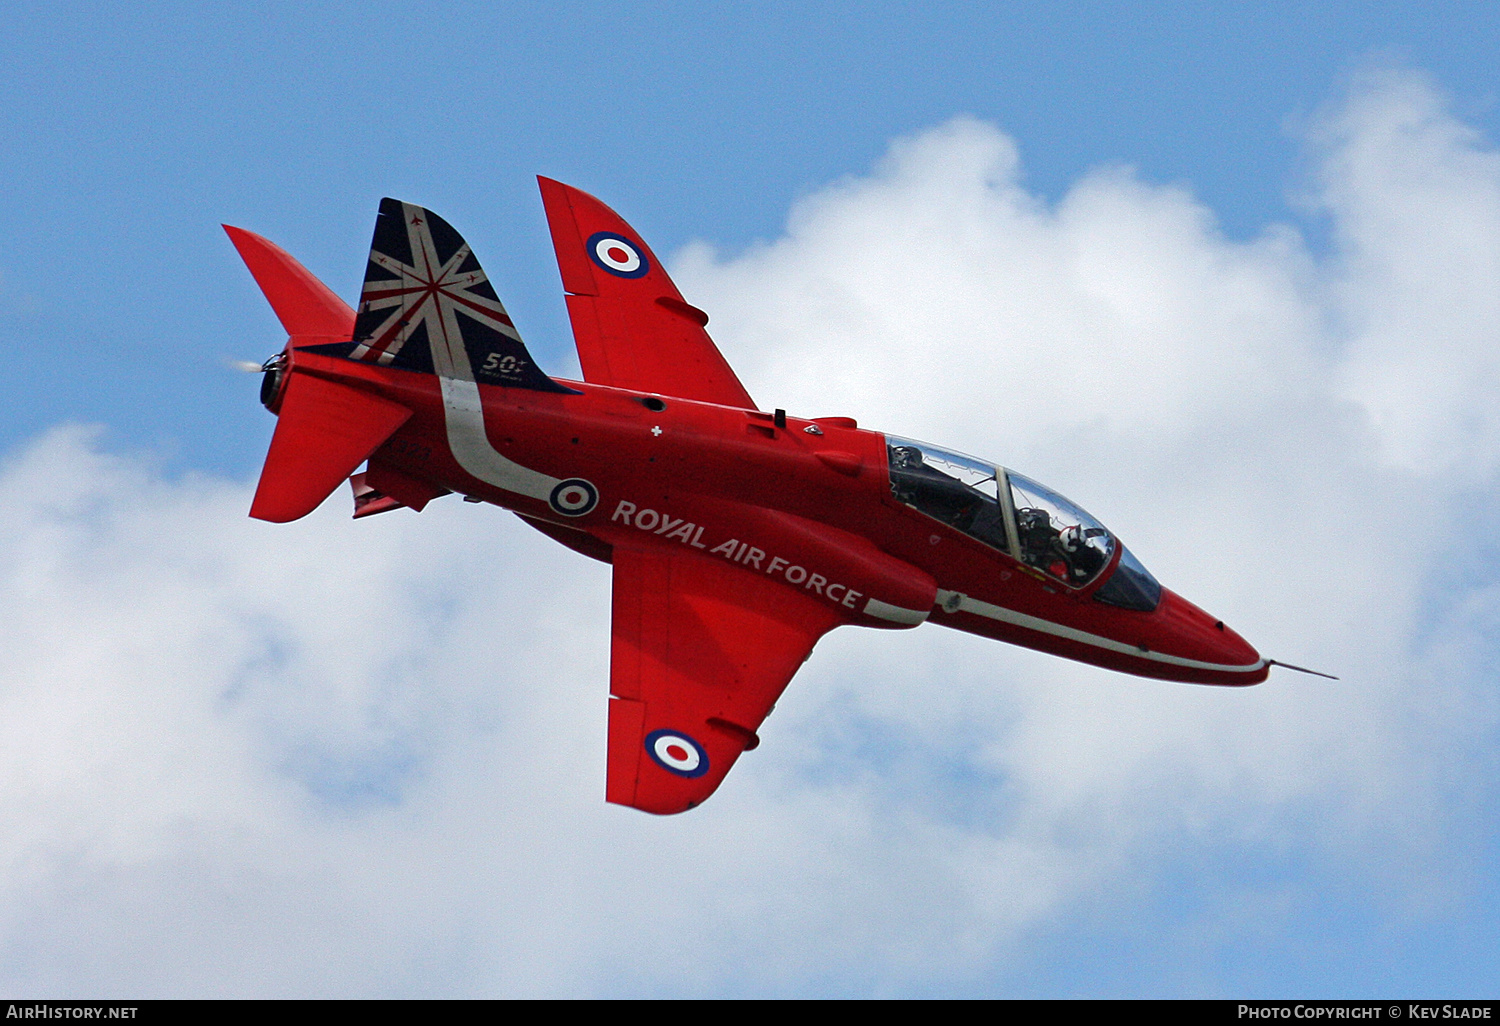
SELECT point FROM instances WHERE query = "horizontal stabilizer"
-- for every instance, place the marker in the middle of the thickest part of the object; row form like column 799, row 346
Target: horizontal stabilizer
column 323, row 432
column 303, row 303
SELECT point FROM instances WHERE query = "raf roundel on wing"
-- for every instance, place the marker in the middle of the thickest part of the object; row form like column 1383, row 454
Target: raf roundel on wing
column 617, row 255
column 677, row 753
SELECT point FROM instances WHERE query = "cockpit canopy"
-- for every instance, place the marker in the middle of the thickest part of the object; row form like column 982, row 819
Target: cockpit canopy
column 1018, row 516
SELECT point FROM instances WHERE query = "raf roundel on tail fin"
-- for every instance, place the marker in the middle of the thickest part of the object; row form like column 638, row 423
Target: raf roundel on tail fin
column 428, row 306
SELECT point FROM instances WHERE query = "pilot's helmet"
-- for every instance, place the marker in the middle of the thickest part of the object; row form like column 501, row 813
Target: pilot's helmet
column 1032, row 519
column 906, row 457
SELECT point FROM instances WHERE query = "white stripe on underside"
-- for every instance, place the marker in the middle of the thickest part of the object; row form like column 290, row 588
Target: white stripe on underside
column 895, row 614
column 1057, row 630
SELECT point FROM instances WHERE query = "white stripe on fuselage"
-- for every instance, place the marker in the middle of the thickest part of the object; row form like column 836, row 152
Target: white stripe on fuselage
column 463, row 415
column 895, row 614
column 1057, row 630
column 470, row 444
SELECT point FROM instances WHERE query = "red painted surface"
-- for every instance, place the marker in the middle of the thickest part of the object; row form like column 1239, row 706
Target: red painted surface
column 737, row 541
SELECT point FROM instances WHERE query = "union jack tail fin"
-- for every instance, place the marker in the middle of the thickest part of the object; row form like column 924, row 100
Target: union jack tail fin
column 428, row 306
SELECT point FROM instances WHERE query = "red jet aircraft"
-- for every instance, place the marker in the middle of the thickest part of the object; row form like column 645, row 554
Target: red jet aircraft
column 738, row 537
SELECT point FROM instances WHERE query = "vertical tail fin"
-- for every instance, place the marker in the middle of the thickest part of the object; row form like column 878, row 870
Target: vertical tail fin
column 428, row 306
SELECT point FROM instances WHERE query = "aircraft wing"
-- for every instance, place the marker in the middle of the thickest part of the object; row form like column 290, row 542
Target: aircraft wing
column 632, row 327
column 701, row 650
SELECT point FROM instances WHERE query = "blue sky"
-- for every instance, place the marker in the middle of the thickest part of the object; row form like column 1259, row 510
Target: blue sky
column 1239, row 261
column 126, row 132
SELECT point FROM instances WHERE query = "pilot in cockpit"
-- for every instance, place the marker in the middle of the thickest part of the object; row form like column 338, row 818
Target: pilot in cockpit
column 1064, row 554
column 1039, row 541
column 935, row 493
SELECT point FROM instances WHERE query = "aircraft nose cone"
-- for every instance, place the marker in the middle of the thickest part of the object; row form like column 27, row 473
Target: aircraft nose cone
column 1204, row 639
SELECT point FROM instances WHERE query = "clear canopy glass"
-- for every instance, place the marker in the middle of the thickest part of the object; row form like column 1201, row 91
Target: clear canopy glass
column 959, row 490
column 1056, row 536
column 1004, row 510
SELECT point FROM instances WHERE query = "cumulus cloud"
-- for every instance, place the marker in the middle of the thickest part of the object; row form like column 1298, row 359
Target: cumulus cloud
column 367, row 758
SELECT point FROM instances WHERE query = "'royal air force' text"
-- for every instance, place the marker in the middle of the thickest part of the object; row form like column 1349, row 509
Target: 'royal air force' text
column 736, row 551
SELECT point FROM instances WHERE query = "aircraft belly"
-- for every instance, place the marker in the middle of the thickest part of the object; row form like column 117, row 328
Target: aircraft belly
column 1058, row 637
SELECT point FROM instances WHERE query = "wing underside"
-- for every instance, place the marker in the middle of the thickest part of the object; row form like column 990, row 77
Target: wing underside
column 700, row 653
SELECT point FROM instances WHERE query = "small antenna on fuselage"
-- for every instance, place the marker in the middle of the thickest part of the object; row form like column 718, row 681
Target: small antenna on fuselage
column 1300, row 669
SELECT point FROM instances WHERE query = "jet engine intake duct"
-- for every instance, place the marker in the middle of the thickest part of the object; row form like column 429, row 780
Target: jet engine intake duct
column 871, row 588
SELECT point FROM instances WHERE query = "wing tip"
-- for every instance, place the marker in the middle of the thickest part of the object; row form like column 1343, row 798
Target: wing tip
column 244, row 235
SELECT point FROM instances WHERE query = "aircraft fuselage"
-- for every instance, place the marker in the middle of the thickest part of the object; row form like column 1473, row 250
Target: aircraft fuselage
column 807, row 503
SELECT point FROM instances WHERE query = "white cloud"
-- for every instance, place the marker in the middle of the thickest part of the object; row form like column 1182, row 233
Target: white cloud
column 367, row 758
column 1415, row 198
